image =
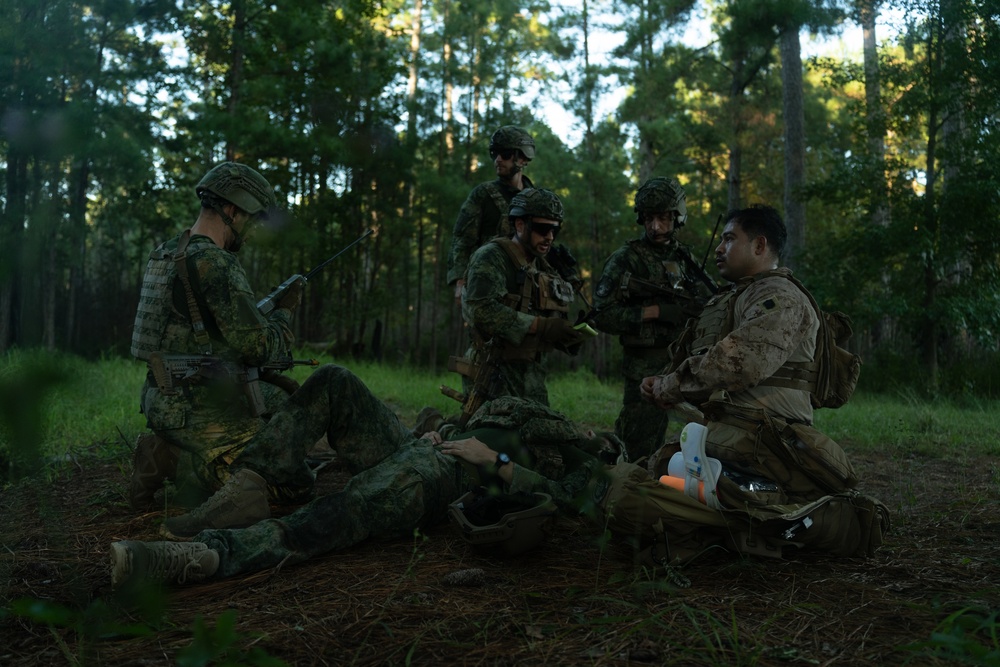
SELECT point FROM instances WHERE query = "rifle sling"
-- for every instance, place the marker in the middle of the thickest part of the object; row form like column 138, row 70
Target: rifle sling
column 197, row 323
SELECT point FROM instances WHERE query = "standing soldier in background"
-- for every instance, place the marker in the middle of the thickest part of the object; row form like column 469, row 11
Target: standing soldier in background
column 196, row 304
column 648, row 290
column 516, row 303
column 484, row 213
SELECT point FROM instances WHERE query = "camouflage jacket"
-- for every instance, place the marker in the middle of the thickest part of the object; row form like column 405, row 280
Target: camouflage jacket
column 480, row 219
column 773, row 322
column 619, row 302
column 502, row 297
column 236, row 329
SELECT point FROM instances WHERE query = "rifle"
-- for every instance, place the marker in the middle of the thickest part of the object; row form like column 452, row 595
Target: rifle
column 699, row 271
column 637, row 287
column 269, row 302
column 167, row 368
column 486, row 385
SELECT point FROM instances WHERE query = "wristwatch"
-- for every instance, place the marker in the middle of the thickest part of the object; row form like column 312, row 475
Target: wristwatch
column 502, row 460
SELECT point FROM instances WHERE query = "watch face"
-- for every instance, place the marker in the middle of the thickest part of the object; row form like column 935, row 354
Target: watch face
column 502, row 459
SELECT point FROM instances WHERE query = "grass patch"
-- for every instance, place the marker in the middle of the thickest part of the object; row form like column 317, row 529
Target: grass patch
column 82, row 403
column 903, row 424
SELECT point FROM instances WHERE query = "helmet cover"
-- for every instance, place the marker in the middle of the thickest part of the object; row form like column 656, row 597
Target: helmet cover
column 509, row 137
column 506, row 524
column 240, row 185
column 536, row 203
column 661, row 195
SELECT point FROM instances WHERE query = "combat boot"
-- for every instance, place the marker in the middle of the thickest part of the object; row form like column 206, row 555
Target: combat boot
column 428, row 419
column 240, row 502
column 170, row 562
column 154, row 461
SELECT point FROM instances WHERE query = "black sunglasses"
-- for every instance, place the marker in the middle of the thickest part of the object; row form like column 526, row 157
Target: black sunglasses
column 543, row 229
column 506, row 154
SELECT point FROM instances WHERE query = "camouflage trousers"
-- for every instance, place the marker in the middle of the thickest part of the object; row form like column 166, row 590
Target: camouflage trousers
column 209, row 425
column 641, row 425
column 332, row 402
column 408, row 490
column 521, row 379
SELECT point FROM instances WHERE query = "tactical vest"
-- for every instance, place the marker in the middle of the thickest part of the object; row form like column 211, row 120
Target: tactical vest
column 540, row 291
column 156, row 301
column 502, row 204
column 155, row 304
column 503, row 223
column 830, row 378
column 663, row 272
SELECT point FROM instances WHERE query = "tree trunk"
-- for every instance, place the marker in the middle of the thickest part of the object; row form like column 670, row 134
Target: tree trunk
column 11, row 249
column 795, row 143
column 236, row 72
column 875, row 114
column 411, row 142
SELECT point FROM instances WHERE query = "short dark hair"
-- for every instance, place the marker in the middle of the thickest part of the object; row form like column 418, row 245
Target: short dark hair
column 762, row 220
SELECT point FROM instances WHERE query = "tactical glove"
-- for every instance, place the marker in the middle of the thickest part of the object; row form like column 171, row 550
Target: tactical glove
column 558, row 331
column 292, row 298
column 672, row 313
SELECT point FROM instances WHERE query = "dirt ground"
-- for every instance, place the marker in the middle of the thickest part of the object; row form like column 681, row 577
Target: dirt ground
column 569, row 603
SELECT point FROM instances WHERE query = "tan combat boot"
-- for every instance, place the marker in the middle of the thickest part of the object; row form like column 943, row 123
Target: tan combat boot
column 240, row 502
column 154, row 461
column 170, row 562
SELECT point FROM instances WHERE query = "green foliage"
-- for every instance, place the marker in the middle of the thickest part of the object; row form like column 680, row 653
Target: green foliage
column 219, row 645
column 965, row 637
column 24, row 391
column 89, row 625
column 50, row 407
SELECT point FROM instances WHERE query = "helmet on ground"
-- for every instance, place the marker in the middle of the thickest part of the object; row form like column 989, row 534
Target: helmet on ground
column 504, row 524
column 660, row 195
column 536, row 203
column 509, row 137
column 240, row 185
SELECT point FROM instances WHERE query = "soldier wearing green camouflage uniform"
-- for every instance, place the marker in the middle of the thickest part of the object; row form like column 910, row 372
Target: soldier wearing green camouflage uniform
column 196, row 301
column 516, row 303
column 647, row 292
column 400, row 482
column 484, row 213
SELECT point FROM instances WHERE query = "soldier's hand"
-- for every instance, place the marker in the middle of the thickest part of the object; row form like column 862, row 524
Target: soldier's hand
column 672, row 313
column 292, row 298
column 458, row 291
column 558, row 331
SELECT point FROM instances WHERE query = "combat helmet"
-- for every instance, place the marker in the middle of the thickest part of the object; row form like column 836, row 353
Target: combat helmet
column 659, row 195
column 510, row 137
column 240, row 185
column 503, row 524
column 536, row 203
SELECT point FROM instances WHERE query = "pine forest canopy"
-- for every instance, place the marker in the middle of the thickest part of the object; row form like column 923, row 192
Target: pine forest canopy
column 377, row 115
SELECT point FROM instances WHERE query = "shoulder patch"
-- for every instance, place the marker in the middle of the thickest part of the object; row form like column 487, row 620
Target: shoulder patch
column 768, row 304
column 604, row 288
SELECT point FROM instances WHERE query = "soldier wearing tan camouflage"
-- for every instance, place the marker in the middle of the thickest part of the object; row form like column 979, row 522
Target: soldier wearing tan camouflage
column 743, row 339
column 196, row 301
column 516, row 303
column 646, row 294
column 484, row 214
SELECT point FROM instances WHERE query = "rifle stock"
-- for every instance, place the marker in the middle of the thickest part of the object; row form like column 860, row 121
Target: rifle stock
column 169, row 367
column 486, row 385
